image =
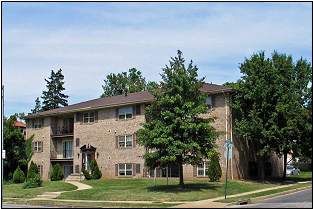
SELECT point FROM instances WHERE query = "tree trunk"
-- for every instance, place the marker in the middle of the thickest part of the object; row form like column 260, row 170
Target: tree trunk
column 285, row 165
column 181, row 176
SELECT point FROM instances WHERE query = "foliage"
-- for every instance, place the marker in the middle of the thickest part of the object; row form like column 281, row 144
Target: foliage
column 57, row 173
column 37, row 106
column 95, row 171
column 177, row 133
column 14, row 144
column 214, row 170
column 29, row 151
column 33, row 182
column 53, row 97
column 32, row 171
column 18, row 176
column 271, row 104
column 133, row 81
column 86, row 174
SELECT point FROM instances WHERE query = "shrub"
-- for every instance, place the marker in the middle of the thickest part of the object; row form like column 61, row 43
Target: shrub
column 95, row 171
column 214, row 170
column 96, row 174
column 18, row 176
column 86, row 174
column 57, row 173
column 33, row 182
column 32, row 171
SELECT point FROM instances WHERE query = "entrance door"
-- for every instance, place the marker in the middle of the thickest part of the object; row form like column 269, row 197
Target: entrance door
column 87, row 158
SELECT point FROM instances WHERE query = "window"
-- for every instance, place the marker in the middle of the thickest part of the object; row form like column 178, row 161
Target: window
column 37, row 147
column 68, row 149
column 37, row 123
column 125, row 112
column 125, row 141
column 125, row 169
column 208, row 102
column 89, row 117
column 39, row 169
column 202, row 170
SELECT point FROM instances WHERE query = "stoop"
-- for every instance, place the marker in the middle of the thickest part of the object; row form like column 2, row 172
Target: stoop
column 75, row 177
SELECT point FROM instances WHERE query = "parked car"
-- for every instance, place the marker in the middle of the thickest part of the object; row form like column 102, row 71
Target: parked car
column 291, row 170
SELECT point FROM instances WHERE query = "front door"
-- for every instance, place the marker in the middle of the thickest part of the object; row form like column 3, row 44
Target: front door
column 87, row 158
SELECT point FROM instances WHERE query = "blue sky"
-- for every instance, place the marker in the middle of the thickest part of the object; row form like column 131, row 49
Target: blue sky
column 88, row 41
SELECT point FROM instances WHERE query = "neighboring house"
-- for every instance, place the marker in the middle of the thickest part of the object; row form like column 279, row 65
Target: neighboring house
column 22, row 127
column 105, row 129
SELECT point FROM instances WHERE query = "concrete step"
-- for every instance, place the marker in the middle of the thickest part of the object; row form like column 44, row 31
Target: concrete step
column 75, row 177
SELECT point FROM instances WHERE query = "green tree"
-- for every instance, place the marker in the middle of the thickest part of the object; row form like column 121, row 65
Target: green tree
column 270, row 104
column 14, row 144
column 57, row 173
column 18, row 176
column 214, row 170
column 32, row 171
column 37, row 106
column 53, row 98
column 177, row 134
column 133, row 81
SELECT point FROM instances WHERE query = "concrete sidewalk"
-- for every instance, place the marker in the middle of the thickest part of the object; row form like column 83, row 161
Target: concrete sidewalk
column 209, row 203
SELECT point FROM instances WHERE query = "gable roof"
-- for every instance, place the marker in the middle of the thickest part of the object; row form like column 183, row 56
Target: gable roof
column 131, row 98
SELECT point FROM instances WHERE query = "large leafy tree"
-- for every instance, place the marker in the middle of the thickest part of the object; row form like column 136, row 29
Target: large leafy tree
column 177, row 134
column 14, row 145
column 133, row 81
column 53, row 97
column 271, row 105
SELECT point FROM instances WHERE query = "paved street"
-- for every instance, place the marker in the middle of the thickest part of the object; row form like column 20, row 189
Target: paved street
column 301, row 199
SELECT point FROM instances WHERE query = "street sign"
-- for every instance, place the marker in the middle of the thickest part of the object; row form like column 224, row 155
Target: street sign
column 229, row 154
column 3, row 154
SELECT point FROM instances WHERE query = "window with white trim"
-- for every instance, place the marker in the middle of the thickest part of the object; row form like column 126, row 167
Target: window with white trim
column 37, row 146
column 125, row 112
column 39, row 169
column 202, row 170
column 89, row 117
column 208, row 102
column 125, row 169
column 37, row 123
column 125, row 141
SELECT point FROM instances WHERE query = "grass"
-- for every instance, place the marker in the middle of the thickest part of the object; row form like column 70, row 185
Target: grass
column 144, row 190
column 16, row 190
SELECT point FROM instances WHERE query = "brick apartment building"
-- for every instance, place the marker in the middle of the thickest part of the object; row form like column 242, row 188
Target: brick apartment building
column 105, row 129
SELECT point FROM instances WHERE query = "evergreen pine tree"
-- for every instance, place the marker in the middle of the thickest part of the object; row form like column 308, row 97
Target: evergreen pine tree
column 214, row 170
column 53, row 98
column 37, row 106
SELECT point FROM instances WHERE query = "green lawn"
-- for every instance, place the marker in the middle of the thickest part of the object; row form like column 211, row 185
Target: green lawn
column 144, row 189
column 16, row 190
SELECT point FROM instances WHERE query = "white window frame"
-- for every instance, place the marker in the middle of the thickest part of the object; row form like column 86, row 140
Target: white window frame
column 38, row 123
column 39, row 169
column 125, row 113
column 89, row 117
column 202, row 170
column 37, row 146
column 68, row 149
column 208, row 102
column 125, row 141
column 125, row 170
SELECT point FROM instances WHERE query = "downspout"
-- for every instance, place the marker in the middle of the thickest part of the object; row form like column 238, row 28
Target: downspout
column 226, row 125
column 231, row 136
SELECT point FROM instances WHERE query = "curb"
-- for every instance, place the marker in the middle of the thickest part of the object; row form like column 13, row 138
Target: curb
column 262, row 198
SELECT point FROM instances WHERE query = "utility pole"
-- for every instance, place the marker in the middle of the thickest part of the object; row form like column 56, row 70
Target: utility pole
column 2, row 138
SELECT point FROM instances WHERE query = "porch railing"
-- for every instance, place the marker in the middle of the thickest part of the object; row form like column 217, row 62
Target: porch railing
column 68, row 154
column 62, row 130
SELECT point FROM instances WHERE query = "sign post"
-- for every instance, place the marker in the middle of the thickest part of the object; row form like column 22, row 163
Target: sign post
column 227, row 144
